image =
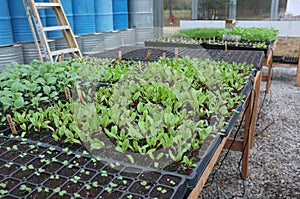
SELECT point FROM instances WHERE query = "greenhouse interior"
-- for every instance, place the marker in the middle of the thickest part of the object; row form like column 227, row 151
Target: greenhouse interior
column 137, row 99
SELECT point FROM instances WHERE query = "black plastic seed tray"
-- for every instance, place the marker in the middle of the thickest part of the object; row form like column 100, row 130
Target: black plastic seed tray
column 141, row 54
column 290, row 60
column 178, row 45
column 31, row 169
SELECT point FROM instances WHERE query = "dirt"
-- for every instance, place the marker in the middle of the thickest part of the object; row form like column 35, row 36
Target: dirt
column 287, row 46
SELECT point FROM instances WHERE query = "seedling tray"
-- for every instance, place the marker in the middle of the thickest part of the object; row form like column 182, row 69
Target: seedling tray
column 163, row 44
column 31, row 169
column 140, row 54
column 232, row 47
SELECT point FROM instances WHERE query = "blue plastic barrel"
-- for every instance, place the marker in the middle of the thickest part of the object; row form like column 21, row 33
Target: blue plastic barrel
column 6, row 36
column 52, row 21
column 120, row 16
column 104, row 15
column 84, row 16
column 20, row 26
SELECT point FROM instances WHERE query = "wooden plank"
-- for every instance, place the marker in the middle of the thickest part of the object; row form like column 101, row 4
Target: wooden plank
column 236, row 146
column 46, row 5
column 53, row 28
column 269, row 64
column 257, row 83
column 197, row 190
column 246, row 145
column 283, row 64
column 298, row 70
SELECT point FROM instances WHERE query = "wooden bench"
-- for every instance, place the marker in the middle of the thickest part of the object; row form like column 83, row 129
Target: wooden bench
column 268, row 62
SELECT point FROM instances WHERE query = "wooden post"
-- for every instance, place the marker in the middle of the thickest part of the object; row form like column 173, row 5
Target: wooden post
column 269, row 76
column 11, row 124
column 148, row 55
column 226, row 46
column 257, row 82
column 176, row 53
column 164, row 55
column 79, row 93
column 247, row 136
column 120, row 55
column 67, row 94
column 298, row 70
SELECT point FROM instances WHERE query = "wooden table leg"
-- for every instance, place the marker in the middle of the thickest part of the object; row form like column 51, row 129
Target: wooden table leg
column 257, row 82
column 298, row 70
column 269, row 64
column 247, row 136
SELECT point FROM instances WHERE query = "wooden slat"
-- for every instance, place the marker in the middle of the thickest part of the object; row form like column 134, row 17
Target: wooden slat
column 46, row 5
column 298, row 70
column 236, row 146
column 65, row 51
column 54, row 28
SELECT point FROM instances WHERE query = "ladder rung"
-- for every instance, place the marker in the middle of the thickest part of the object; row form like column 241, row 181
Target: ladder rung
column 52, row 28
column 46, row 5
column 65, row 51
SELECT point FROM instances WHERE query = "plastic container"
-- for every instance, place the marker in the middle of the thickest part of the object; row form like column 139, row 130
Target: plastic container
column 20, row 26
column 120, row 14
column 141, row 13
column 84, row 16
column 104, row 15
column 6, row 36
column 10, row 54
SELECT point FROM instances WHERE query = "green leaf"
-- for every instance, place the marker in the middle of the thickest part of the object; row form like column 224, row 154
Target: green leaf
column 130, row 158
column 52, row 80
column 47, row 90
column 6, row 101
column 19, row 102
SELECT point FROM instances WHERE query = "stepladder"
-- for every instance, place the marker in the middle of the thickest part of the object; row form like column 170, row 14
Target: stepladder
column 39, row 30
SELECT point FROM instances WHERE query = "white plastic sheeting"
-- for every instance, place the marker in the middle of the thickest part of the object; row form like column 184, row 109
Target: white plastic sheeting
column 293, row 7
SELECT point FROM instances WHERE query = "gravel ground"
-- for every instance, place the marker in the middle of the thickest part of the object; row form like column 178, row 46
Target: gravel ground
column 274, row 162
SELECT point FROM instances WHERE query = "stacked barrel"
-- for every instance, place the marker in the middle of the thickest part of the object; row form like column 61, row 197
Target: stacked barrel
column 98, row 25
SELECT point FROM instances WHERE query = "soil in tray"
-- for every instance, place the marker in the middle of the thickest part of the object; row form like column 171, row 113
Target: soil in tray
column 53, row 183
column 122, row 184
column 64, row 157
column 90, row 193
column 8, row 169
column 80, row 161
column 57, row 196
column 131, row 172
column 20, row 174
column 161, row 192
column 10, row 155
column 132, row 196
column 37, row 163
column 149, row 176
column 24, row 159
column 72, row 187
column 39, row 195
column 50, row 154
column 53, row 167
column 113, row 194
column 85, row 174
column 102, row 180
column 37, row 150
column 170, row 180
column 140, row 188
column 10, row 183
column 22, row 193
column 68, row 172
column 39, row 179
column 96, row 165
